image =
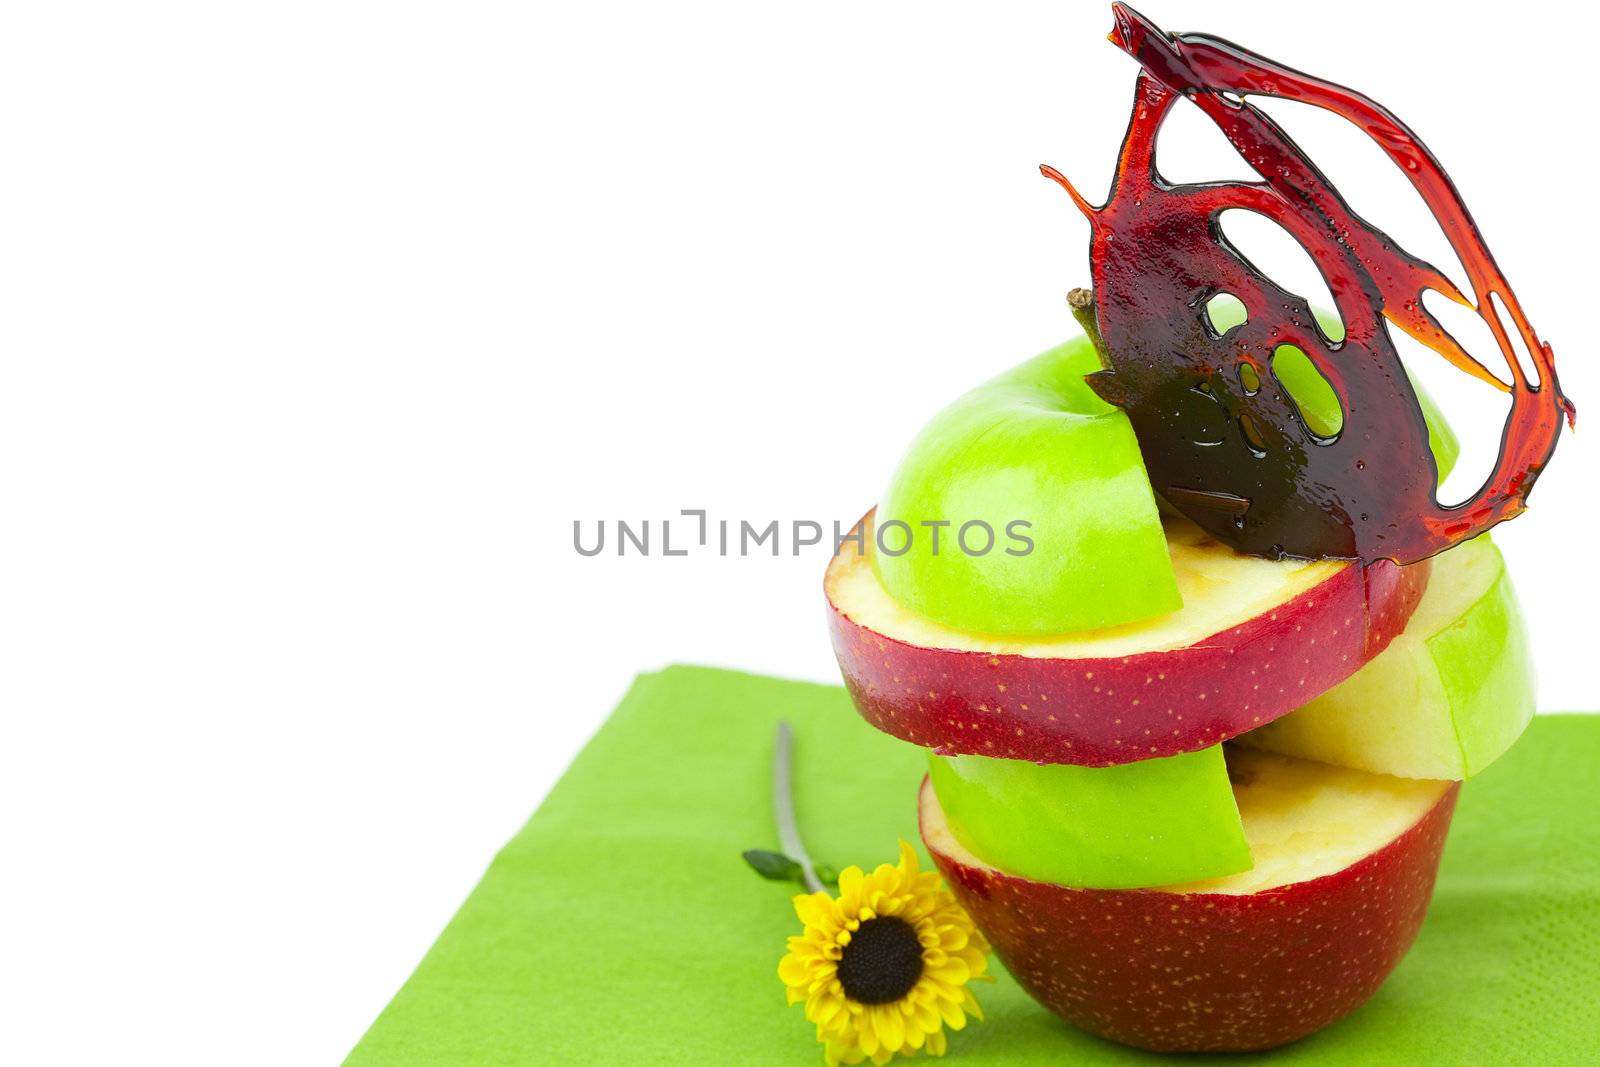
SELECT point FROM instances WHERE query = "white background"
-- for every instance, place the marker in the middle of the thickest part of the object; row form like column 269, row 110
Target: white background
column 323, row 322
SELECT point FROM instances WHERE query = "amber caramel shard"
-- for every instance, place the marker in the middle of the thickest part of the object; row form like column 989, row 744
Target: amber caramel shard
column 1241, row 462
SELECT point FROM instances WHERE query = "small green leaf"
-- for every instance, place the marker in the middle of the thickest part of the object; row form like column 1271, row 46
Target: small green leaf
column 773, row 866
column 827, row 875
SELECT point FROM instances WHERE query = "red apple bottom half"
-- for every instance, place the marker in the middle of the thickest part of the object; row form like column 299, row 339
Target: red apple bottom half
column 1345, row 866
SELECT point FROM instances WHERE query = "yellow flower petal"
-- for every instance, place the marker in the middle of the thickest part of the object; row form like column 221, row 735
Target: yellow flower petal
column 924, row 1019
column 867, row 1035
column 814, row 909
column 828, row 1009
column 889, row 1025
column 794, row 970
column 838, row 1052
column 952, row 969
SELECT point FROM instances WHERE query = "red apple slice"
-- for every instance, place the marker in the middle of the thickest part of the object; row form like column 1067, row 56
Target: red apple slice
column 1255, row 639
column 1345, row 865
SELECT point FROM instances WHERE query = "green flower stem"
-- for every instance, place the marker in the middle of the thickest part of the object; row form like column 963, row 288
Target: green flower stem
column 783, row 806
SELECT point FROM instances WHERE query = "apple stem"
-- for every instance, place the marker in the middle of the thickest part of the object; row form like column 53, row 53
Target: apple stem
column 1081, row 302
column 783, row 806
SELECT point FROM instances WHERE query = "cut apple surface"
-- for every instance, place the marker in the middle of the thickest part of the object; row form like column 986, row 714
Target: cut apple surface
column 1305, row 820
column 1345, row 865
column 1447, row 697
column 1255, row 638
column 1137, row 824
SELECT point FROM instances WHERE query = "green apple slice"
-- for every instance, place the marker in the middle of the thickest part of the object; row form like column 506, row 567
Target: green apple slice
column 1444, row 700
column 1034, row 446
column 1155, row 822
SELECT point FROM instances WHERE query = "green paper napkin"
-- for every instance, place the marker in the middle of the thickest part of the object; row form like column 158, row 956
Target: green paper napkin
column 621, row 926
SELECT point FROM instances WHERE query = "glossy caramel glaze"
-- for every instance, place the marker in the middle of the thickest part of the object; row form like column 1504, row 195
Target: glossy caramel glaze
column 1241, row 462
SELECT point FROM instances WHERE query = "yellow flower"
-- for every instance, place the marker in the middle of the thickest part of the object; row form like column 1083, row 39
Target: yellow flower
column 884, row 968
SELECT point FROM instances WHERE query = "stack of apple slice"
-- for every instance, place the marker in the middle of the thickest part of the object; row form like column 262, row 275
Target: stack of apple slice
column 1195, row 799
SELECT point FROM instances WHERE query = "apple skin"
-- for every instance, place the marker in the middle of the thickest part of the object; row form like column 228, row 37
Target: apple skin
column 1110, row 710
column 1448, row 696
column 1155, row 822
column 1208, row 972
column 1036, row 445
column 1485, row 664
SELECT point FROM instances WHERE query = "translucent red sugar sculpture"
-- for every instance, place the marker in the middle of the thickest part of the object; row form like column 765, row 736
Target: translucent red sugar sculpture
column 1223, row 442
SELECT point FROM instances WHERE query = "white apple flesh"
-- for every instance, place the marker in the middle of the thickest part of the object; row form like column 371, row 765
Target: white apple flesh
column 1447, row 697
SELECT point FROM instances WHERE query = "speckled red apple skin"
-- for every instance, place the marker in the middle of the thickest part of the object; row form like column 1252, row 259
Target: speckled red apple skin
column 1100, row 712
column 1208, row 972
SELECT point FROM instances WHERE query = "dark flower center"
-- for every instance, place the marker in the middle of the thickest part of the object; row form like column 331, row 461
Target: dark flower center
column 882, row 961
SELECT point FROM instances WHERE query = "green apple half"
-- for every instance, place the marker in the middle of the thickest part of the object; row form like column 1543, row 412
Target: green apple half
column 1037, row 446
column 1155, row 822
column 1445, row 699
